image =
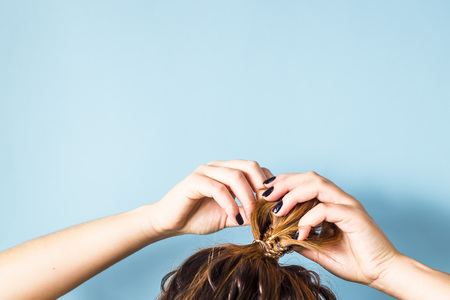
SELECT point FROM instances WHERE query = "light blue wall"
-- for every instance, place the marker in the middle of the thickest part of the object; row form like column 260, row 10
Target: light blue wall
column 105, row 105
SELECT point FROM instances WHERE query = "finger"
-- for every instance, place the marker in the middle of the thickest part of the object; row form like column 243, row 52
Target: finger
column 236, row 181
column 270, row 181
column 267, row 172
column 287, row 182
column 230, row 222
column 323, row 260
column 250, row 168
column 310, row 254
column 207, row 187
column 347, row 218
column 301, row 187
column 323, row 191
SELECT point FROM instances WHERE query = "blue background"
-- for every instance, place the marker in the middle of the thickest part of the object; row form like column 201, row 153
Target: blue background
column 105, row 106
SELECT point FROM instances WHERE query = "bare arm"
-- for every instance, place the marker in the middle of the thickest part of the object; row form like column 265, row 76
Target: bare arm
column 407, row 278
column 50, row 266
column 364, row 254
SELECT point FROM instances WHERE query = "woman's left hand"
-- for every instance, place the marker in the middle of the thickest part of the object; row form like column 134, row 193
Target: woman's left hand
column 204, row 202
column 363, row 254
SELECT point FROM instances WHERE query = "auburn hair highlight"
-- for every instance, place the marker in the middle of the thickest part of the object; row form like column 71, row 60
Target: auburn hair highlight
column 252, row 272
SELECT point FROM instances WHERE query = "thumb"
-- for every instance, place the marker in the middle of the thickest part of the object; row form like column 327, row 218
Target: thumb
column 309, row 254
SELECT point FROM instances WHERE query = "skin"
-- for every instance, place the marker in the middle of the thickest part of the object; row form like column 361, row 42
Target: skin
column 204, row 202
column 364, row 255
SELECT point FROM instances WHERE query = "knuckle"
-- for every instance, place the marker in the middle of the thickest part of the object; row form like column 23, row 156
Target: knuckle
column 360, row 212
column 312, row 174
column 265, row 169
column 321, row 182
column 355, row 203
column 237, row 175
column 253, row 164
column 220, row 188
column 200, row 169
column 211, row 163
column 349, row 210
column 190, row 178
column 282, row 176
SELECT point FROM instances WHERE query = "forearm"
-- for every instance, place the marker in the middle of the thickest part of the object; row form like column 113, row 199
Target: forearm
column 409, row 279
column 50, row 266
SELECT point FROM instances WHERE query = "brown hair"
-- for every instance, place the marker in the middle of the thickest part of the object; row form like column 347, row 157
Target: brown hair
column 247, row 272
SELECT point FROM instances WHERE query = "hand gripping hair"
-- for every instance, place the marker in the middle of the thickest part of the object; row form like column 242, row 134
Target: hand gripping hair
column 275, row 234
column 246, row 272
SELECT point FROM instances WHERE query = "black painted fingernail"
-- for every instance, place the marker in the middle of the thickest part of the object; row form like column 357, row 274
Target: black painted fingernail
column 268, row 192
column 295, row 235
column 239, row 219
column 277, row 207
column 269, row 180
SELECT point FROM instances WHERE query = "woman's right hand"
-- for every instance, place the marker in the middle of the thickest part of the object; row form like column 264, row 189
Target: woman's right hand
column 204, row 202
column 364, row 253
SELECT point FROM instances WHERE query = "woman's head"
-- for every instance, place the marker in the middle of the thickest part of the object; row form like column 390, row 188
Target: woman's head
column 252, row 271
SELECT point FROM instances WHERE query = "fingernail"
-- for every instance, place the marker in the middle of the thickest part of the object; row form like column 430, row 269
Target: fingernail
column 269, row 180
column 277, row 207
column 239, row 219
column 268, row 192
column 295, row 236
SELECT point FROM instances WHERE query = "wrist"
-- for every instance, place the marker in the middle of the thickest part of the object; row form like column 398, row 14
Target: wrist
column 150, row 229
column 407, row 278
column 385, row 282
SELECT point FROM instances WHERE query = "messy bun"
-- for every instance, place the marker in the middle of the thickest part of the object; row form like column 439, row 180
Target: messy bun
column 246, row 272
column 275, row 234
